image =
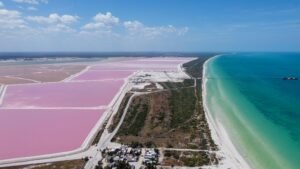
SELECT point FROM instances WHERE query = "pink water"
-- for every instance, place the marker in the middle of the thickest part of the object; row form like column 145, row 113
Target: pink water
column 73, row 94
column 185, row 59
column 157, row 62
column 102, row 75
column 135, row 66
column 32, row 132
column 146, row 64
column 39, row 132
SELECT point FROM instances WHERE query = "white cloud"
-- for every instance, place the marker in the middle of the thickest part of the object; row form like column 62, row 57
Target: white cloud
column 31, row 8
column 59, row 31
column 107, row 18
column 59, row 28
column 11, row 19
column 1, row 4
column 138, row 28
column 32, row 2
column 55, row 22
column 54, row 19
column 102, row 21
column 133, row 25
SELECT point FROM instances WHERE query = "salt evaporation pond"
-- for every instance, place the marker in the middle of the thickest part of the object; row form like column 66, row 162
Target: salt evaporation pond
column 103, row 75
column 38, row 132
column 72, row 94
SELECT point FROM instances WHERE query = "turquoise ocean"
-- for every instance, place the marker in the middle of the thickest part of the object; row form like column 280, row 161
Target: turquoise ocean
column 259, row 110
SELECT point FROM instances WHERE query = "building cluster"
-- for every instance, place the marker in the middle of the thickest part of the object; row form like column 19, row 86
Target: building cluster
column 151, row 157
column 126, row 155
column 140, row 79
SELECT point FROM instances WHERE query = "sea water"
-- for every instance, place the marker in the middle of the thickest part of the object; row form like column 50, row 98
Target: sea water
column 260, row 110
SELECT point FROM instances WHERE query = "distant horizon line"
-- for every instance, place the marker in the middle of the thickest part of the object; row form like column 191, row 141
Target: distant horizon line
column 3, row 52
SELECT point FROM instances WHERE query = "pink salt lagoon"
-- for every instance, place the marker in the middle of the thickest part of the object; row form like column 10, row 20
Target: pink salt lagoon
column 103, row 75
column 135, row 67
column 163, row 59
column 41, row 119
column 27, row 133
column 146, row 64
column 71, row 94
column 157, row 62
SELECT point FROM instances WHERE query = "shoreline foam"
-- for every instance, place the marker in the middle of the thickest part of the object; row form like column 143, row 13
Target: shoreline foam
column 231, row 157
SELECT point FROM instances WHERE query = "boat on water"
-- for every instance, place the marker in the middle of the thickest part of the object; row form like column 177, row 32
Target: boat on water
column 289, row 78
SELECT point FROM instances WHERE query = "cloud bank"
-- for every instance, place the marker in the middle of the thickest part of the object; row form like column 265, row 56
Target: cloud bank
column 31, row 2
column 63, row 31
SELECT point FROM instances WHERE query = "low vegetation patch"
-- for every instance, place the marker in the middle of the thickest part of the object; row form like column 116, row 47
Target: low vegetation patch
column 136, row 116
column 73, row 164
column 118, row 115
column 99, row 133
column 173, row 119
column 195, row 67
column 182, row 104
column 190, row 159
column 176, row 85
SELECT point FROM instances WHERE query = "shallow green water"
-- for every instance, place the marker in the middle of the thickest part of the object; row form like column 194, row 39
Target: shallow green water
column 260, row 111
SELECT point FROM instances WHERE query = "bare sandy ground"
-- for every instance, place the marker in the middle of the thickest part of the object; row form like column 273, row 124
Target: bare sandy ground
column 12, row 80
column 37, row 73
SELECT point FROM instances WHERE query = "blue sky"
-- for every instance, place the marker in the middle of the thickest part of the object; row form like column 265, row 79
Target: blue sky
column 149, row 25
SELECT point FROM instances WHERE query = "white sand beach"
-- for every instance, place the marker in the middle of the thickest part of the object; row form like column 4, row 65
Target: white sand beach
column 231, row 158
